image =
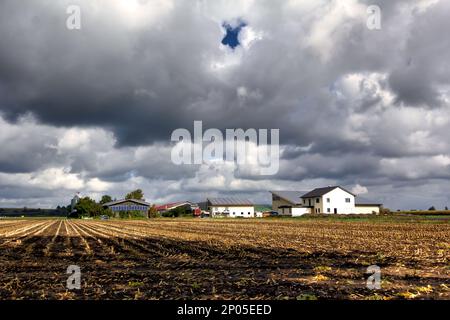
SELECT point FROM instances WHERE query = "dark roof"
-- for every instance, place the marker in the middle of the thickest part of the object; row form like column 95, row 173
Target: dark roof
column 112, row 203
column 203, row 205
column 318, row 192
column 361, row 201
column 290, row 196
column 230, row 201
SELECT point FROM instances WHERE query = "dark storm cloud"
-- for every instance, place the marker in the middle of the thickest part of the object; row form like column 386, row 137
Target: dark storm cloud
column 417, row 79
column 137, row 83
column 144, row 83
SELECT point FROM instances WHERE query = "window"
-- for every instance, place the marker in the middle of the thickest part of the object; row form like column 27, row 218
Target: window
column 328, row 200
column 317, row 200
column 275, row 198
column 347, row 200
column 304, row 201
column 249, row 213
column 318, row 210
column 242, row 213
column 328, row 210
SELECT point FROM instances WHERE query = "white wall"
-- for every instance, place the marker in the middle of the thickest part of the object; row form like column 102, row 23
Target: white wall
column 248, row 212
column 293, row 212
column 367, row 209
column 337, row 200
column 297, row 212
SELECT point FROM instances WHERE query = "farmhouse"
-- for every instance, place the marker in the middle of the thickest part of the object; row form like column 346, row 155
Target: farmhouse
column 231, row 207
column 128, row 205
column 328, row 200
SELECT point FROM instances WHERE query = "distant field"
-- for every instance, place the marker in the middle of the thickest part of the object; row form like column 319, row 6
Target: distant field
column 30, row 212
column 426, row 212
column 307, row 258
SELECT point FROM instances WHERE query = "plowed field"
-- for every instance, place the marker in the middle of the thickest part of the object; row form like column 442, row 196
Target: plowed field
column 223, row 259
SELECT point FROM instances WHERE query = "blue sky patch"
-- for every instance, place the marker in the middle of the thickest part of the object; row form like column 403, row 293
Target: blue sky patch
column 231, row 38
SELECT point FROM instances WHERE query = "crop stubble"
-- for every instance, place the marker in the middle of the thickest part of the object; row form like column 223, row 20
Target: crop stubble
column 223, row 259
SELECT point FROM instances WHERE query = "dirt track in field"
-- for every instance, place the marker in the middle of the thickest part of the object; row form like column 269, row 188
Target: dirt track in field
column 203, row 259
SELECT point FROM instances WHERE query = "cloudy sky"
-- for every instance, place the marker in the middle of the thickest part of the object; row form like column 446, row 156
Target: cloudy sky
column 93, row 109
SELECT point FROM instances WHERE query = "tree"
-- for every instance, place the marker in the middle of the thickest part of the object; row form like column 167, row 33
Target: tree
column 432, row 208
column 446, row 208
column 136, row 194
column 88, row 207
column 177, row 212
column 105, row 199
column 152, row 212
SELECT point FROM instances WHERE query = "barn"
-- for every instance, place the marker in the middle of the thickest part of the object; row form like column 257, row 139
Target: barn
column 231, row 207
column 128, row 205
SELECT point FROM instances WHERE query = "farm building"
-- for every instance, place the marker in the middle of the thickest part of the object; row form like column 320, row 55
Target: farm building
column 74, row 201
column 328, row 200
column 367, row 206
column 288, row 203
column 128, row 205
column 231, row 207
column 187, row 205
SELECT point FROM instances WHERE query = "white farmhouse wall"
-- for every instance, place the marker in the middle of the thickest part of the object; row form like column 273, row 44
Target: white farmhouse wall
column 367, row 209
column 338, row 201
column 297, row 212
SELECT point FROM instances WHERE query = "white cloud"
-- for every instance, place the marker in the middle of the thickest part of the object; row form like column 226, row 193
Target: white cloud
column 359, row 189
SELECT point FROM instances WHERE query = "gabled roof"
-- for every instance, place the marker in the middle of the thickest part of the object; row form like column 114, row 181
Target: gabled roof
column 173, row 205
column 318, row 192
column 230, row 201
column 361, row 201
column 112, row 203
column 290, row 196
